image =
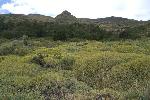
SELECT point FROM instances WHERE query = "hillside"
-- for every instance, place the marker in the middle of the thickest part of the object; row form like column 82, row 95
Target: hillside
column 31, row 17
column 69, row 58
column 66, row 26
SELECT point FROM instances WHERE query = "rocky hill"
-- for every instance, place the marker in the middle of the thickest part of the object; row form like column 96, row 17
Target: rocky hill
column 65, row 17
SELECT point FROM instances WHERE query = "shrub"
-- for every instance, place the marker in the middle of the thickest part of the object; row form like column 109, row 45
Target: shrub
column 59, row 90
column 96, row 70
column 1, row 59
column 14, row 48
column 147, row 94
column 130, row 33
column 131, row 74
column 132, row 95
column 67, row 63
column 25, row 40
column 6, row 49
column 39, row 59
column 60, row 36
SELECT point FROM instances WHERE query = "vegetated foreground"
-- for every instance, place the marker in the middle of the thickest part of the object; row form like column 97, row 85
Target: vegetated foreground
column 42, row 69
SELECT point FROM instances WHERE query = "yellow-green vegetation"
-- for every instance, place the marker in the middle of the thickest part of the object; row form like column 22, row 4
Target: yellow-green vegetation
column 42, row 69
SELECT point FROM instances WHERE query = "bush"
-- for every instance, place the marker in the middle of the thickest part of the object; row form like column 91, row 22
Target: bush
column 15, row 47
column 130, row 33
column 6, row 49
column 1, row 59
column 147, row 94
column 59, row 90
column 67, row 63
column 131, row 74
column 25, row 40
column 60, row 36
column 132, row 95
column 39, row 59
column 95, row 71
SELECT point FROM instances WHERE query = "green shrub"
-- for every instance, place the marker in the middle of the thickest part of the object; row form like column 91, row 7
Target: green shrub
column 131, row 33
column 59, row 90
column 14, row 48
column 2, row 58
column 147, row 94
column 96, row 70
column 132, row 95
column 6, row 49
column 25, row 40
column 67, row 63
column 131, row 74
column 39, row 59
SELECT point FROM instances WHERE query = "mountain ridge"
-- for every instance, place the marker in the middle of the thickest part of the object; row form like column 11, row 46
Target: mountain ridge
column 109, row 23
column 82, row 20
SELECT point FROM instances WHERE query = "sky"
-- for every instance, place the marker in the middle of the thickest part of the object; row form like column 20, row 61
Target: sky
column 132, row 9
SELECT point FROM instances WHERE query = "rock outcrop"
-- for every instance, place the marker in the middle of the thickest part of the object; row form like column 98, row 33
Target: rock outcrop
column 65, row 17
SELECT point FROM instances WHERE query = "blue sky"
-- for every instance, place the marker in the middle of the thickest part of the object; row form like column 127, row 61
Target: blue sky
column 133, row 9
column 4, row 1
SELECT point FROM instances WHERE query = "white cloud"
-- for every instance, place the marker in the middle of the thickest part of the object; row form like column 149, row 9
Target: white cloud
column 82, row 8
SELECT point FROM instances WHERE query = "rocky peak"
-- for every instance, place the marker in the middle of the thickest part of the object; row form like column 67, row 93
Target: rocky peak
column 66, row 13
column 65, row 17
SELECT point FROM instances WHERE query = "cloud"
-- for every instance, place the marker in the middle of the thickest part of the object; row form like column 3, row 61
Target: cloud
column 135, row 9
